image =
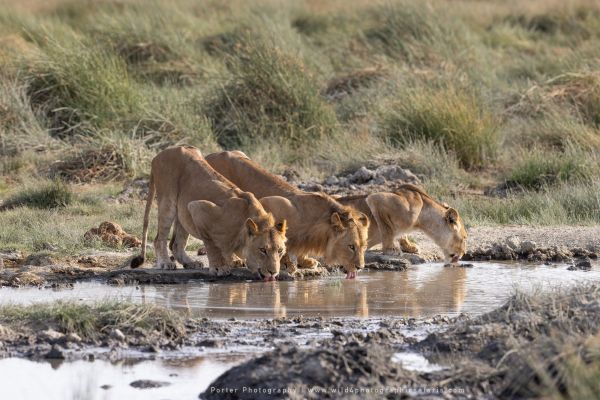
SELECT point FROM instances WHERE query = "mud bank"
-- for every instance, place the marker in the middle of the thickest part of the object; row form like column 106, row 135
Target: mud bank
column 48, row 270
column 533, row 346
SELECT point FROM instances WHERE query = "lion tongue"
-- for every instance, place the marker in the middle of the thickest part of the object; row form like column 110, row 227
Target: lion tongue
column 350, row 275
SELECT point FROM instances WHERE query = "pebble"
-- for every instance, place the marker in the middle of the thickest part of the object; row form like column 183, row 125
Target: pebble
column 117, row 335
column 148, row 384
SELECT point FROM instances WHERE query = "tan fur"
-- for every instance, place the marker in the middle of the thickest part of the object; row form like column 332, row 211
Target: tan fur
column 319, row 226
column 410, row 208
column 232, row 223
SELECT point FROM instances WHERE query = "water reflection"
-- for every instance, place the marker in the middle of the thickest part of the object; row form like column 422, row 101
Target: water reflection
column 420, row 291
column 187, row 377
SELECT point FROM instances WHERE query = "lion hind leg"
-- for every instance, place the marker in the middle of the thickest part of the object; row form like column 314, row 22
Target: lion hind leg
column 167, row 212
column 180, row 238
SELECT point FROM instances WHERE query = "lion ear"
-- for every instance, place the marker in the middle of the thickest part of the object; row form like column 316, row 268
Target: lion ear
column 363, row 219
column 281, row 226
column 451, row 215
column 336, row 221
column 252, row 227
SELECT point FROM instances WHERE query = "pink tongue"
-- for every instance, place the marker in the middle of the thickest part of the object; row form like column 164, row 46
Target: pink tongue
column 266, row 279
column 350, row 275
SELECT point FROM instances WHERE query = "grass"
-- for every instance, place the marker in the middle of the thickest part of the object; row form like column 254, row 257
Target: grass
column 93, row 321
column 51, row 196
column 469, row 95
column 453, row 118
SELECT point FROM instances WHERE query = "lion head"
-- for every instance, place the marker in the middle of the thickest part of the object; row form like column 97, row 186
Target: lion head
column 347, row 241
column 453, row 237
column 264, row 246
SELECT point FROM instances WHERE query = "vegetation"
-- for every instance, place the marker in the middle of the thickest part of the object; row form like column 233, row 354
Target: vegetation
column 471, row 96
column 91, row 321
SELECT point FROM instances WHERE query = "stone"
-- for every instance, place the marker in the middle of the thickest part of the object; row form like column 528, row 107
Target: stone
column 332, row 180
column 528, row 246
column 50, row 335
column 513, row 242
column 362, row 175
column 116, row 334
column 55, row 353
column 396, row 173
column 582, row 265
column 148, row 384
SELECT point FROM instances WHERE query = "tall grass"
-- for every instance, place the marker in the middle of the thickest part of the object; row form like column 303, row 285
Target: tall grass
column 271, row 95
column 448, row 116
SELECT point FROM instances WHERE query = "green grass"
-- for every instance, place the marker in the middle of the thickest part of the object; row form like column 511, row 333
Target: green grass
column 92, row 321
column 50, row 196
column 453, row 118
column 468, row 95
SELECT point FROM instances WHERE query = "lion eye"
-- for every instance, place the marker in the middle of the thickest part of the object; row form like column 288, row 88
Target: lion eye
column 351, row 246
column 263, row 250
column 280, row 251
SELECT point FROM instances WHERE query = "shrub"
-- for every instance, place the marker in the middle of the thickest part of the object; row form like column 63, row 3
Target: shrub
column 272, row 95
column 53, row 195
column 452, row 118
column 539, row 169
column 80, row 87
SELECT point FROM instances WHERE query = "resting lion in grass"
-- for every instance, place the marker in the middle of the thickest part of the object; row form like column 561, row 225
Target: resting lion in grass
column 409, row 208
column 318, row 226
column 232, row 223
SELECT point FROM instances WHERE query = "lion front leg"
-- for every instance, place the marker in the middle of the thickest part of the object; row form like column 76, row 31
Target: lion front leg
column 216, row 262
column 407, row 246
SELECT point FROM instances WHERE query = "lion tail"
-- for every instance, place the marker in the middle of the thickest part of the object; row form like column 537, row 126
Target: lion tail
column 139, row 260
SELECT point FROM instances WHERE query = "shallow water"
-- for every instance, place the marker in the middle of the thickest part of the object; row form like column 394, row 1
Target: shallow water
column 421, row 291
column 84, row 379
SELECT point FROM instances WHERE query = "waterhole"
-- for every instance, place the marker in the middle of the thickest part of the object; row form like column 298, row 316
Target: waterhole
column 420, row 292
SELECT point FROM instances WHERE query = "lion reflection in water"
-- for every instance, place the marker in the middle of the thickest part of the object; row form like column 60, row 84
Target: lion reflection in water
column 409, row 293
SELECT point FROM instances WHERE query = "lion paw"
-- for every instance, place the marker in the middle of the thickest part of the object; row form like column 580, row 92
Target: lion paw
column 408, row 247
column 308, row 263
column 170, row 265
column 193, row 265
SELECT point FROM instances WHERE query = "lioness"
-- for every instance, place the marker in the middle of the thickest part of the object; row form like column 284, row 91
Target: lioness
column 318, row 225
column 232, row 223
column 410, row 208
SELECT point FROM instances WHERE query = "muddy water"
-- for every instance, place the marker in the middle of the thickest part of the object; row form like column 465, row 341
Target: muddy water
column 104, row 380
column 421, row 291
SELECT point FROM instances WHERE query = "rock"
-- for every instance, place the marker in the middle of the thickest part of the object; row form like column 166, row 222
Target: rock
column 55, row 353
column 112, row 234
column 39, row 260
column 72, row 338
column 396, row 173
column 50, row 335
column 513, row 242
column 148, row 384
column 362, row 175
column 528, row 246
column 1, row 263
column 332, row 180
column 105, row 387
column 583, row 265
column 116, row 334
column 11, row 255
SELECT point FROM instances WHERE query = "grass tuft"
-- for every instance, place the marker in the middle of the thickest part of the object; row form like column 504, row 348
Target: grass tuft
column 53, row 195
column 455, row 119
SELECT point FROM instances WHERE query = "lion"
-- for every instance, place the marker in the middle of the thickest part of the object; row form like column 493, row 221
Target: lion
column 318, row 226
column 233, row 224
column 410, row 208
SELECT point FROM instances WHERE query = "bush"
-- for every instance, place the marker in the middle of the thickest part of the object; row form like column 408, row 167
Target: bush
column 540, row 169
column 272, row 95
column 53, row 195
column 452, row 118
column 80, row 87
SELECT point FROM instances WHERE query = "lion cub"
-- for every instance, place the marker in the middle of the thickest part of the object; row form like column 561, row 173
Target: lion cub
column 232, row 223
column 410, row 208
